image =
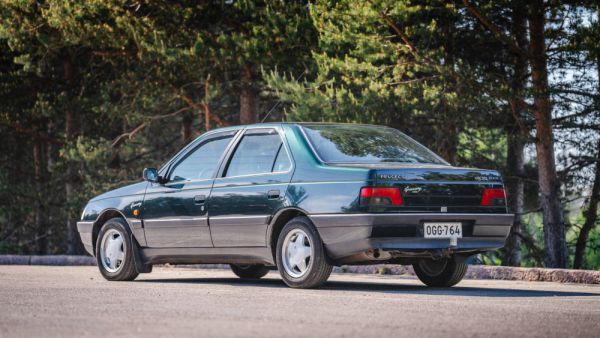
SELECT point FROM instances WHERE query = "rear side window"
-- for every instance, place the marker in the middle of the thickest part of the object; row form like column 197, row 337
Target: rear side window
column 202, row 162
column 347, row 143
column 282, row 162
column 258, row 154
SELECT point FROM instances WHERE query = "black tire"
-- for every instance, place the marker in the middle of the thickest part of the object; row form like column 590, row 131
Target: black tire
column 254, row 271
column 318, row 269
column 443, row 272
column 125, row 271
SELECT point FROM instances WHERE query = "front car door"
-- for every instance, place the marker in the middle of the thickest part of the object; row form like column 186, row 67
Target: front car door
column 175, row 213
column 249, row 189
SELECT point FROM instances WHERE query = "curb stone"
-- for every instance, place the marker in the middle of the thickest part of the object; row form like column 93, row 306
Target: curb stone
column 56, row 260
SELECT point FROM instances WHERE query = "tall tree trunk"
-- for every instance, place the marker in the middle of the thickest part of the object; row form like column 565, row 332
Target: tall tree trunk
column 186, row 128
column 554, row 226
column 515, row 159
column 248, row 100
column 591, row 214
column 40, row 216
column 516, row 197
column 72, row 127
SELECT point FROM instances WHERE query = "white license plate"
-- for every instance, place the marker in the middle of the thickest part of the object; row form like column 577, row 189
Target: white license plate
column 442, row 229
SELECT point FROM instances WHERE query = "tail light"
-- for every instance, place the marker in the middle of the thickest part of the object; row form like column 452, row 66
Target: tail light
column 380, row 196
column 493, row 197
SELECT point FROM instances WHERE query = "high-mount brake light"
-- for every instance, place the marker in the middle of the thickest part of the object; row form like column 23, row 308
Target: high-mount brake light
column 493, row 197
column 380, row 196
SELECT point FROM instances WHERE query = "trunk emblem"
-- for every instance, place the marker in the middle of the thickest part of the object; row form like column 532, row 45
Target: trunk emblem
column 444, row 209
column 412, row 190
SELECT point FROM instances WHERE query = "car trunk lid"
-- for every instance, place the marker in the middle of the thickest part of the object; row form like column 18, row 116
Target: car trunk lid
column 436, row 188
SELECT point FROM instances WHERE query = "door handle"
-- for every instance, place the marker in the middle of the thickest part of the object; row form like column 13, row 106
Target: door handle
column 199, row 199
column 273, row 194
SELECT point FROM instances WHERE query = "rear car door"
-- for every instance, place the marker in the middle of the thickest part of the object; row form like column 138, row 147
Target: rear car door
column 175, row 213
column 250, row 189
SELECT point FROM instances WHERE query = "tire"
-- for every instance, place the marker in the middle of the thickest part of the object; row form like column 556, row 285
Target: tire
column 443, row 272
column 122, row 265
column 297, row 239
column 249, row 271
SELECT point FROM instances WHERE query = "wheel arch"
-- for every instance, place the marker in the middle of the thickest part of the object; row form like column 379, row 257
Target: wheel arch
column 278, row 222
column 104, row 216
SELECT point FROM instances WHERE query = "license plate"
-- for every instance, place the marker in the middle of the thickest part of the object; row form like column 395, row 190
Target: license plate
column 442, row 230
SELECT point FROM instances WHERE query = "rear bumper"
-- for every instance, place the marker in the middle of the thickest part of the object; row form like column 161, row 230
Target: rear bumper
column 349, row 234
column 85, row 233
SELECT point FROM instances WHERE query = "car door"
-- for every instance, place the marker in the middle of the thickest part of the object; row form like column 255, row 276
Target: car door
column 249, row 189
column 175, row 213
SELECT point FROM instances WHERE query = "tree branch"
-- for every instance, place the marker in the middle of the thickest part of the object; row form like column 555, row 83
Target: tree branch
column 511, row 43
column 195, row 105
column 407, row 43
column 129, row 135
column 398, row 31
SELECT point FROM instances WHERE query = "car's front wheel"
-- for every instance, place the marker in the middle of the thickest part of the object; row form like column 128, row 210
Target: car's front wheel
column 254, row 271
column 300, row 255
column 114, row 252
column 444, row 272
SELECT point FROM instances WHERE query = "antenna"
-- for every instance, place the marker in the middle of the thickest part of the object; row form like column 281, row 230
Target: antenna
column 279, row 101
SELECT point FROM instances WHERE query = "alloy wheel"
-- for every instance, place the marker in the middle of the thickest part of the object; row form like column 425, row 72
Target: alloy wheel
column 297, row 253
column 112, row 251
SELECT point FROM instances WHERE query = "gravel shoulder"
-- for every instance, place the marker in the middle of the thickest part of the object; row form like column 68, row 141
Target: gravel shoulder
column 77, row 301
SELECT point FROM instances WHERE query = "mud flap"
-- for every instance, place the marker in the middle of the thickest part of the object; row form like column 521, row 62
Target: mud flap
column 137, row 258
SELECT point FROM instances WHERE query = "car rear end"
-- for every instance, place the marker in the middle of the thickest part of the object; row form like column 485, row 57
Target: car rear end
column 415, row 206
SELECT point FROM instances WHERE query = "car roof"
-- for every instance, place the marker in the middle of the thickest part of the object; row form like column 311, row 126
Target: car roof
column 278, row 124
column 275, row 124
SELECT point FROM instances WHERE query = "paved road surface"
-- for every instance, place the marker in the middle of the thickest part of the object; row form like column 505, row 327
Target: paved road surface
column 40, row 301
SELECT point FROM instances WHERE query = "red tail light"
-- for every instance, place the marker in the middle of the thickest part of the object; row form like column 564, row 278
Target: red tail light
column 380, row 196
column 493, row 197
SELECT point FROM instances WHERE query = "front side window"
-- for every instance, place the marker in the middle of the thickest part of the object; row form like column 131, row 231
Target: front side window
column 202, row 162
column 257, row 154
column 347, row 143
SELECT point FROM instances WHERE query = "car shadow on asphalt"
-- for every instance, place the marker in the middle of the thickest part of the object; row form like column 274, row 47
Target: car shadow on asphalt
column 396, row 288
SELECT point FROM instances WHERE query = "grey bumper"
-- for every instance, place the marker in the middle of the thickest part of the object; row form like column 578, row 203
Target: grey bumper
column 348, row 234
column 85, row 233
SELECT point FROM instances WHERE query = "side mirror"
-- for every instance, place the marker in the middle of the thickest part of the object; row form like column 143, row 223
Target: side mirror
column 151, row 175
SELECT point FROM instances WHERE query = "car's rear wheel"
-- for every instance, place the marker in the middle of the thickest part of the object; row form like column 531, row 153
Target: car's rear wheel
column 114, row 252
column 300, row 255
column 254, row 271
column 444, row 272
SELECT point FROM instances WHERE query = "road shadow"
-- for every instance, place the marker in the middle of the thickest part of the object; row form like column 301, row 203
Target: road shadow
column 377, row 287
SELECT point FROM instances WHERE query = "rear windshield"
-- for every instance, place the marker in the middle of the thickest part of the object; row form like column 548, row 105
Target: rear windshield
column 338, row 143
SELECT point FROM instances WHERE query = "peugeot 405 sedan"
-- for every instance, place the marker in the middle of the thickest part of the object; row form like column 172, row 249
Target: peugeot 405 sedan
column 303, row 197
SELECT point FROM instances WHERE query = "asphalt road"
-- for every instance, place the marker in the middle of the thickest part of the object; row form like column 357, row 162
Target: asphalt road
column 40, row 301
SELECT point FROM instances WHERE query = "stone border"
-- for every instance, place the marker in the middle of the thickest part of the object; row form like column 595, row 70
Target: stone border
column 56, row 260
column 474, row 272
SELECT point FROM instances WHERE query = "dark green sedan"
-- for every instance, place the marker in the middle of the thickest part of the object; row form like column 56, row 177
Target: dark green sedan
column 303, row 197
